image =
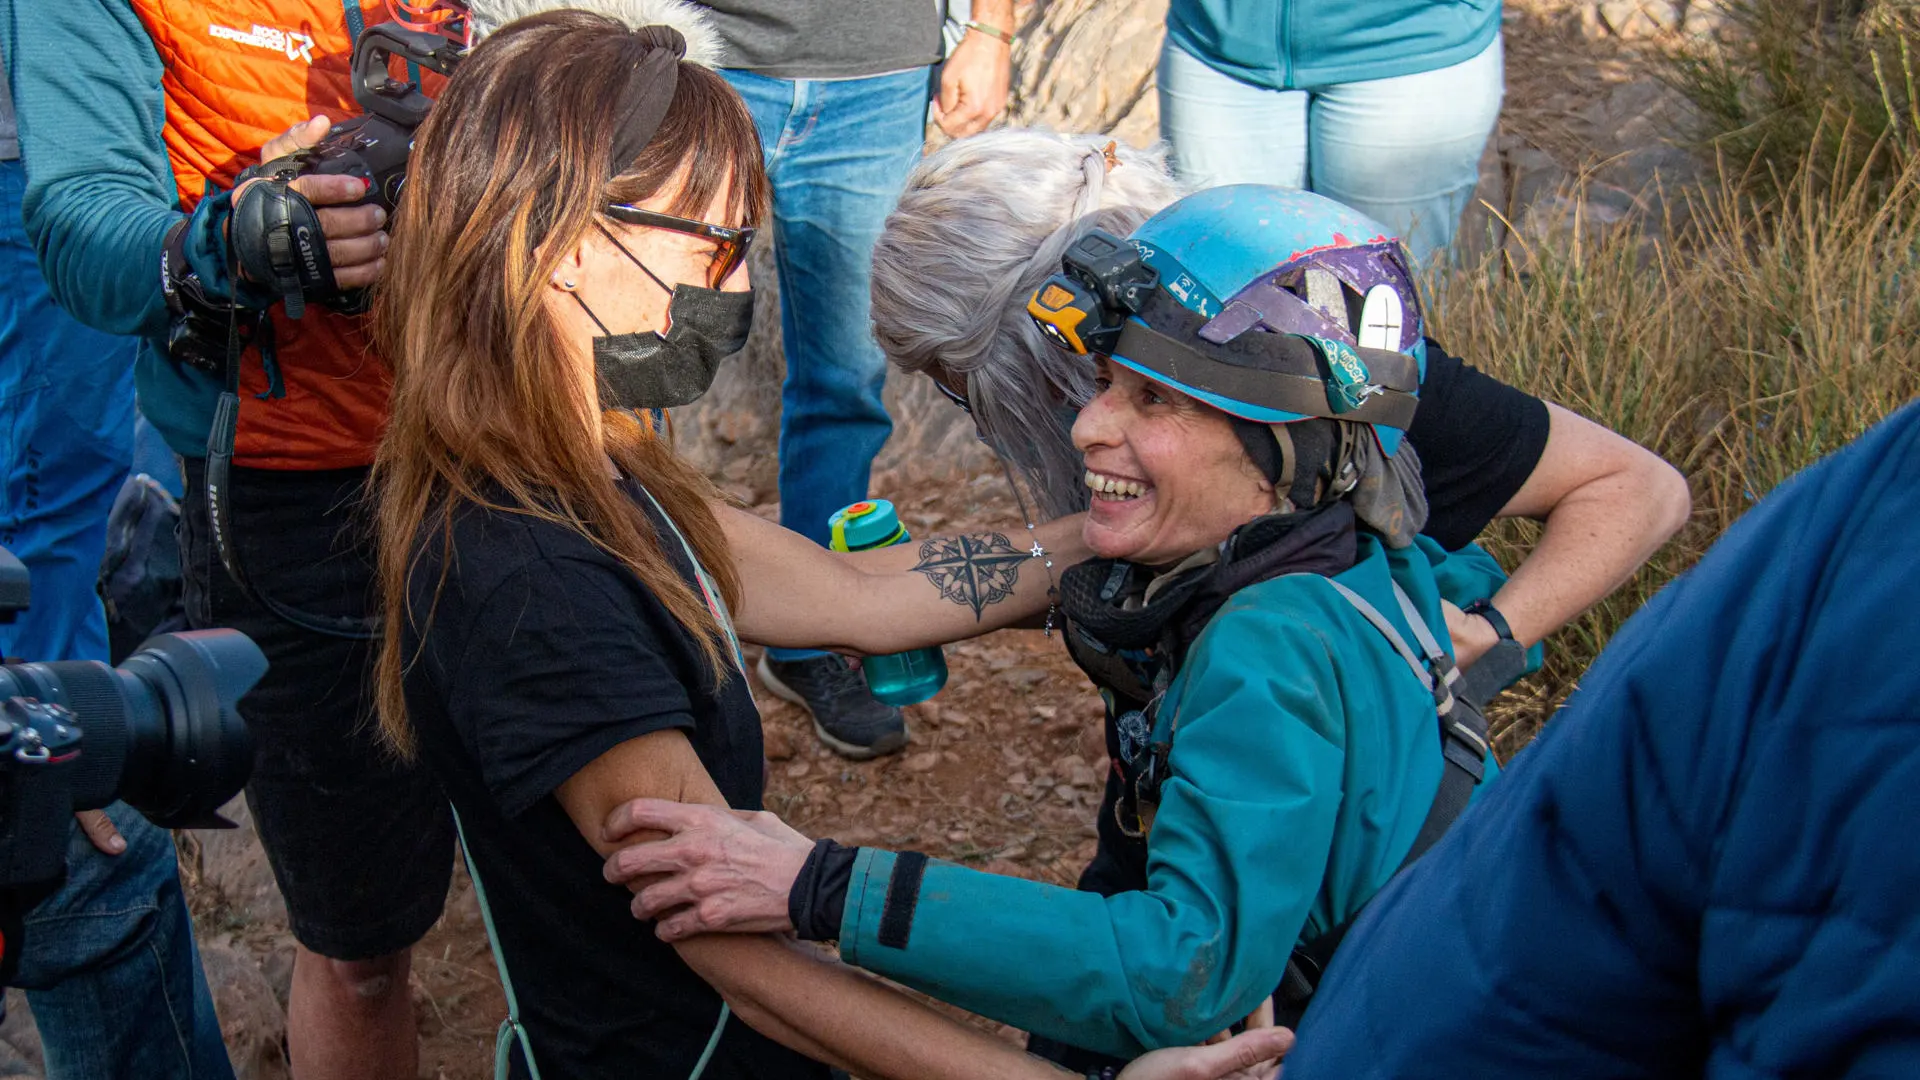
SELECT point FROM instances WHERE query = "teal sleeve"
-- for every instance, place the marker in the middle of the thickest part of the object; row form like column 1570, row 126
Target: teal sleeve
column 100, row 192
column 1236, row 857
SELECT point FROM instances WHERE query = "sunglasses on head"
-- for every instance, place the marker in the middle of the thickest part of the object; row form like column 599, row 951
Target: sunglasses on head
column 729, row 245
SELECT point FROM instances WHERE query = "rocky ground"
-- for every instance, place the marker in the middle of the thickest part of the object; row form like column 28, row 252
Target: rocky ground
column 1004, row 765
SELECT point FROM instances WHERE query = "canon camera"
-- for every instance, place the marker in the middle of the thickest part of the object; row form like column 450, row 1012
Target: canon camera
column 276, row 234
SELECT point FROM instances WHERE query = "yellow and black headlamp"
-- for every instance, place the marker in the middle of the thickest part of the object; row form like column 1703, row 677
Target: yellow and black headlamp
column 1069, row 315
column 1103, row 281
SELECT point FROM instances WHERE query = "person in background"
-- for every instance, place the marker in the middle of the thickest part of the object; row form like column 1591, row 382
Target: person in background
column 1705, row 866
column 130, row 203
column 1384, row 105
column 839, row 93
column 109, row 963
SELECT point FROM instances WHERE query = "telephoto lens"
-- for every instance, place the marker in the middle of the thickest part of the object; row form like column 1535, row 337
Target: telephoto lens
column 161, row 731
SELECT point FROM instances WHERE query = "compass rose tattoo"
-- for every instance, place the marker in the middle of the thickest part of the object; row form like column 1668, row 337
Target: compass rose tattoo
column 973, row 571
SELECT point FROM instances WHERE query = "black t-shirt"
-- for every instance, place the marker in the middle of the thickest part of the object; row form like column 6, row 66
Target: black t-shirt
column 540, row 655
column 1478, row 440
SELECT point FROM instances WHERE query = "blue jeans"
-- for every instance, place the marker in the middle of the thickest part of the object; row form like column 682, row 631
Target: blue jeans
column 109, row 962
column 111, row 970
column 1404, row 151
column 838, row 153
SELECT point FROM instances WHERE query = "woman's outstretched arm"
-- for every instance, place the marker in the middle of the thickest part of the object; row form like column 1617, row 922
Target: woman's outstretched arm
column 1240, row 847
column 1606, row 503
column 929, row 591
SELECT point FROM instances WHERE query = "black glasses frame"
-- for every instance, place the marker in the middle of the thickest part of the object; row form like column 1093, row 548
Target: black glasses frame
column 954, row 396
column 730, row 245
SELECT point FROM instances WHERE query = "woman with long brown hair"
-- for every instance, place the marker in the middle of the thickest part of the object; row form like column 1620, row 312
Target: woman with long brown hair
column 561, row 593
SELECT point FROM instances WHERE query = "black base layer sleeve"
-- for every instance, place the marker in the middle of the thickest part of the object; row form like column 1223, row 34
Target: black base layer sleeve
column 818, row 899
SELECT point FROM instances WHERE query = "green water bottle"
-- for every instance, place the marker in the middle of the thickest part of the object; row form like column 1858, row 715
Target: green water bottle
column 899, row 678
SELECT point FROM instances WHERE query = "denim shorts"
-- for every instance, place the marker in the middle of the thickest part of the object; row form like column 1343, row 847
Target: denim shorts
column 360, row 842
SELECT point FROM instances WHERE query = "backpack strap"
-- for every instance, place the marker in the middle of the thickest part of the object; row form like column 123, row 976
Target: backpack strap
column 1463, row 742
column 512, row 1031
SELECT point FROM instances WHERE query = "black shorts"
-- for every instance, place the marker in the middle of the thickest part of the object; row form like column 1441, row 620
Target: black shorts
column 360, row 842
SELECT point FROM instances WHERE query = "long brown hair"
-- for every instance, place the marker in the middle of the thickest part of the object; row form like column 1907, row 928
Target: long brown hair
column 507, row 175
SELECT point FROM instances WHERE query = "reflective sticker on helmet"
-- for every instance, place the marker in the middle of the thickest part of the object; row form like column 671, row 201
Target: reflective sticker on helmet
column 1382, row 318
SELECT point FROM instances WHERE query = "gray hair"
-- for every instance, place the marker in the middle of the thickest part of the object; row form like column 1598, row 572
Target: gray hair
column 981, row 224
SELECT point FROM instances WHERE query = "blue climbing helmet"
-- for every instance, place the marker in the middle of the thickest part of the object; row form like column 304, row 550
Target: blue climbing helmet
column 1269, row 304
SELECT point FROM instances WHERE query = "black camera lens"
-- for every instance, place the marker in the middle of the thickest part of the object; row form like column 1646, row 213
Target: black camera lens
column 161, row 731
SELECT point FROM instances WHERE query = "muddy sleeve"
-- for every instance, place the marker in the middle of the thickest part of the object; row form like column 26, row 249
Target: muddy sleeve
column 1235, row 859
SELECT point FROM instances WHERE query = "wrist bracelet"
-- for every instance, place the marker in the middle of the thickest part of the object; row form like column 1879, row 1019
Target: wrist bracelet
column 1485, row 609
column 990, row 31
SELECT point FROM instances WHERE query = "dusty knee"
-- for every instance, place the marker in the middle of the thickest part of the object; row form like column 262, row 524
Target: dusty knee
column 370, row 980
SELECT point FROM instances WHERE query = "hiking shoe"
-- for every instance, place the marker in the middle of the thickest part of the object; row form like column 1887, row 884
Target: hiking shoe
column 845, row 714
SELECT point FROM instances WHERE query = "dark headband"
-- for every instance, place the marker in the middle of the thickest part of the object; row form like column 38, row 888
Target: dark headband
column 648, row 93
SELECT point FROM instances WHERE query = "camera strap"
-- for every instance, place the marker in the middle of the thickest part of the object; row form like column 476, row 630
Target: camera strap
column 220, row 442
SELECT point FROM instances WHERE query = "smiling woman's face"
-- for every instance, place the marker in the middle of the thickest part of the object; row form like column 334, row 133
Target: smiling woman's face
column 1168, row 474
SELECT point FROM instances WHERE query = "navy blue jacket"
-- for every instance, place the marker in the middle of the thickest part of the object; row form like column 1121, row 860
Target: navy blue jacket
column 1709, row 865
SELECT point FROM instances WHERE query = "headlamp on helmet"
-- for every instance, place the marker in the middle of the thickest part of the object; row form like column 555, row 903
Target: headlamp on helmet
column 1103, row 281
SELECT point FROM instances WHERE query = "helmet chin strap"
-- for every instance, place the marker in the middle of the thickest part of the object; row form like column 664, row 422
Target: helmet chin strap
column 1300, row 459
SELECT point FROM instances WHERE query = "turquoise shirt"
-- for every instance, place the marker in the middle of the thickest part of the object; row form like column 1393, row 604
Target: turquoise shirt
column 1302, row 44
column 1306, row 756
column 100, row 193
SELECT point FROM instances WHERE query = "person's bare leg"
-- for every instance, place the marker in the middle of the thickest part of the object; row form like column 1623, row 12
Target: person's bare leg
column 352, row 1019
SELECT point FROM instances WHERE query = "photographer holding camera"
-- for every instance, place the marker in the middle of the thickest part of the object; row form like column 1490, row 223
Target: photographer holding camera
column 108, row 958
column 138, row 227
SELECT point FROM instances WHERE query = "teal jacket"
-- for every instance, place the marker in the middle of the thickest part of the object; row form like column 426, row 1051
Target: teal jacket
column 100, row 191
column 1302, row 44
column 1305, row 758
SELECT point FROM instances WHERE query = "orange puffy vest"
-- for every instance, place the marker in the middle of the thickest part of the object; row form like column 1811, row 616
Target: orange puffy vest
column 239, row 72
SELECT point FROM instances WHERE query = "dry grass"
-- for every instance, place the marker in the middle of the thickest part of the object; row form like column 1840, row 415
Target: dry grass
column 1773, row 329
column 1806, row 87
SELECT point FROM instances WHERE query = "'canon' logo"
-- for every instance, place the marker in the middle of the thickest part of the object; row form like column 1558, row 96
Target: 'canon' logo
column 303, row 238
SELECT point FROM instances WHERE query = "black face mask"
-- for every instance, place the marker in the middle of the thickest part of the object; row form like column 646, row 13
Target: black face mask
column 655, row 371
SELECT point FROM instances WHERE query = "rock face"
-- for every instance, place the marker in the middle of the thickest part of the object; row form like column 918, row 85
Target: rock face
column 1088, row 65
column 20, row 1054
column 1638, row 20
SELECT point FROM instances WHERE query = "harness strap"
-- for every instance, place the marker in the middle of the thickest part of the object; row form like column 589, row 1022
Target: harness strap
column 512, row 1031
column 1463, row 727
